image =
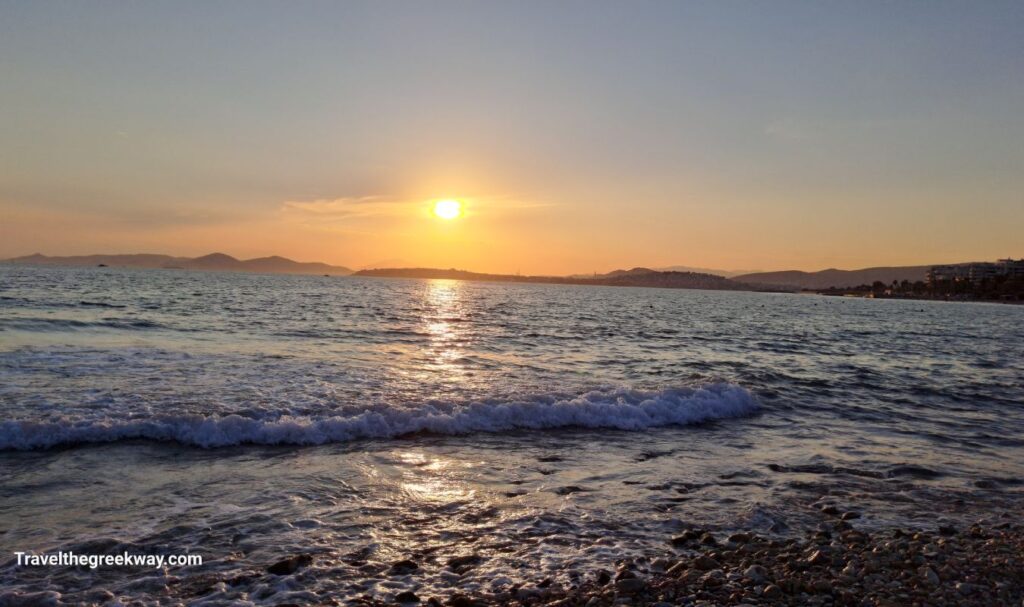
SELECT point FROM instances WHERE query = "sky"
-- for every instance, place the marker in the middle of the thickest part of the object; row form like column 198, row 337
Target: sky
column 580, row 136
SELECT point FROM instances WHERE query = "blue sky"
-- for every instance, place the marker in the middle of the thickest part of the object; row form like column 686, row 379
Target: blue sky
column 582, row 135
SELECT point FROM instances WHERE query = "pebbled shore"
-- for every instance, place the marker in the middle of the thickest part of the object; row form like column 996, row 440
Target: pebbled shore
column 835, row 565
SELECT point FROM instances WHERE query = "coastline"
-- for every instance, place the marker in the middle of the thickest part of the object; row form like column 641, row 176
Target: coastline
column 834, row 565
column 911, row 298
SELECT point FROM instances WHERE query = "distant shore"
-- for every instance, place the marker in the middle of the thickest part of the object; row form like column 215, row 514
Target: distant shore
column 1002, row 289
column 913, row 297
column 214, row 262
column 637, row 277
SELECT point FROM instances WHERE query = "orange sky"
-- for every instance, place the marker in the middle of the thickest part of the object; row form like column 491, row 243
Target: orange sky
column 528, row 235
column 581, row 138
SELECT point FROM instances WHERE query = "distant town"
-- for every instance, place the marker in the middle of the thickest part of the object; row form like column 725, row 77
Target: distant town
column 1001, row 280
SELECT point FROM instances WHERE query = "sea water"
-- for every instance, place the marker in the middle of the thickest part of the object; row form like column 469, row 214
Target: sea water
column 545, row 430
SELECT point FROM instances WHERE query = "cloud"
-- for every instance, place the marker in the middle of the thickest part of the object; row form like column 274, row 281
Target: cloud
column 342, row 208
column 368, row 206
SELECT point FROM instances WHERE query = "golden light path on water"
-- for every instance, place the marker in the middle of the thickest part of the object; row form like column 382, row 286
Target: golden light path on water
column 430, row 479
column 446, row 309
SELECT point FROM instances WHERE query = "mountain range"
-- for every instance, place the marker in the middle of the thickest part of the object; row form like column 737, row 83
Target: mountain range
column 670, row 276
column 214, row 261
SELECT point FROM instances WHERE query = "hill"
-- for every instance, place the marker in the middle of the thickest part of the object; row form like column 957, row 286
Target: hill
column 723, row 273
column 835, row 278
column 213, row 262
column 140, row 260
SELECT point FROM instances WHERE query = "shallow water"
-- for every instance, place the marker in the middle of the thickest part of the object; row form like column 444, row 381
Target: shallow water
column 547, row 429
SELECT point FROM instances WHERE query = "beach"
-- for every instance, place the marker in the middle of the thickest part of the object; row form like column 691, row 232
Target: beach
column 526, row 304
column 836, row 566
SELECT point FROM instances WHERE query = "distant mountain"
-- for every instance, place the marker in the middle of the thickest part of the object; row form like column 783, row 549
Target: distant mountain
column 616, row 274
column 636, row 277
column 725, row 273
column 835, row 278
column 283, row 265
column 214, row 262
column 140, row 260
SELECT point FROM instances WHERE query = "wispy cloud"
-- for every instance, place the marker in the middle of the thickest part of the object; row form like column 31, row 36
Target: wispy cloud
column 343, row 208
column 359, row 207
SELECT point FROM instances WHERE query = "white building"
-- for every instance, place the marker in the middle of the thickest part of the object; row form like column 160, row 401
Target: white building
column 976, row 272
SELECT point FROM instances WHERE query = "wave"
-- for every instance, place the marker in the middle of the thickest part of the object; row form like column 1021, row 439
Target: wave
column 68, row 324
column 99, row 304
column 620, row 409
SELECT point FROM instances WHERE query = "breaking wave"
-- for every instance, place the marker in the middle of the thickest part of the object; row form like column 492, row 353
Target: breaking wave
column 620, row 409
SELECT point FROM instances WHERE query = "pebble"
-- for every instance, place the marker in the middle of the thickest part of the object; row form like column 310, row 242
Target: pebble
column 851, row 568
column 461, row 600
column 631, row 585
column 686, row 537
column 715, row 577
column 290, row 565
column 463, row 562
column 404, row 567
column 771, row 591
column 705, row 563
column 821, row 586
column 756, row 573
column 676, row 569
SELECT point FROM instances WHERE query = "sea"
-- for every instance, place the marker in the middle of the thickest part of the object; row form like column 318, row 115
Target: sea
column 493, row 434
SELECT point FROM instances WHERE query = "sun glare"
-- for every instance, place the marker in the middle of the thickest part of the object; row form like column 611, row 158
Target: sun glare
column 447, row 209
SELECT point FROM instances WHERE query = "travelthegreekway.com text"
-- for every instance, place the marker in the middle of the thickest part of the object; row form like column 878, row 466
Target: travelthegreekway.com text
column 93, row 561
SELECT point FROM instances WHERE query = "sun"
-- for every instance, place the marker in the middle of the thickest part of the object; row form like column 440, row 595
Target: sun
column 448, row 209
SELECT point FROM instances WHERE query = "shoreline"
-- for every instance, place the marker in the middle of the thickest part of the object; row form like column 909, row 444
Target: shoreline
column 908, row 298
column 836, row 564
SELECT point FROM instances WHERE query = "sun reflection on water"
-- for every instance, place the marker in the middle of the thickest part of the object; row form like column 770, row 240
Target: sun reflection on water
column 431, row 479
column 445, row 306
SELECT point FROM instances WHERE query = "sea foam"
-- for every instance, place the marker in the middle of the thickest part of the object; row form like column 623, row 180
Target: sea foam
column 620, row 409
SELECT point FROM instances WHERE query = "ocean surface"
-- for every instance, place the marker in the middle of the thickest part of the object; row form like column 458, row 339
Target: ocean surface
column 543, row 430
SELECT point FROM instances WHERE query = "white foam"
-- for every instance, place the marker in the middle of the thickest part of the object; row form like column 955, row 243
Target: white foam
column 622, row 409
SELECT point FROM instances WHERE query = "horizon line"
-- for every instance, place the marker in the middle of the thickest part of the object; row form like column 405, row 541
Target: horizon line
column 621, row 268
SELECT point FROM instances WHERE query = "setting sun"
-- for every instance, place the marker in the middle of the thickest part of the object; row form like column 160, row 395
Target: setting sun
column 448, row 209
